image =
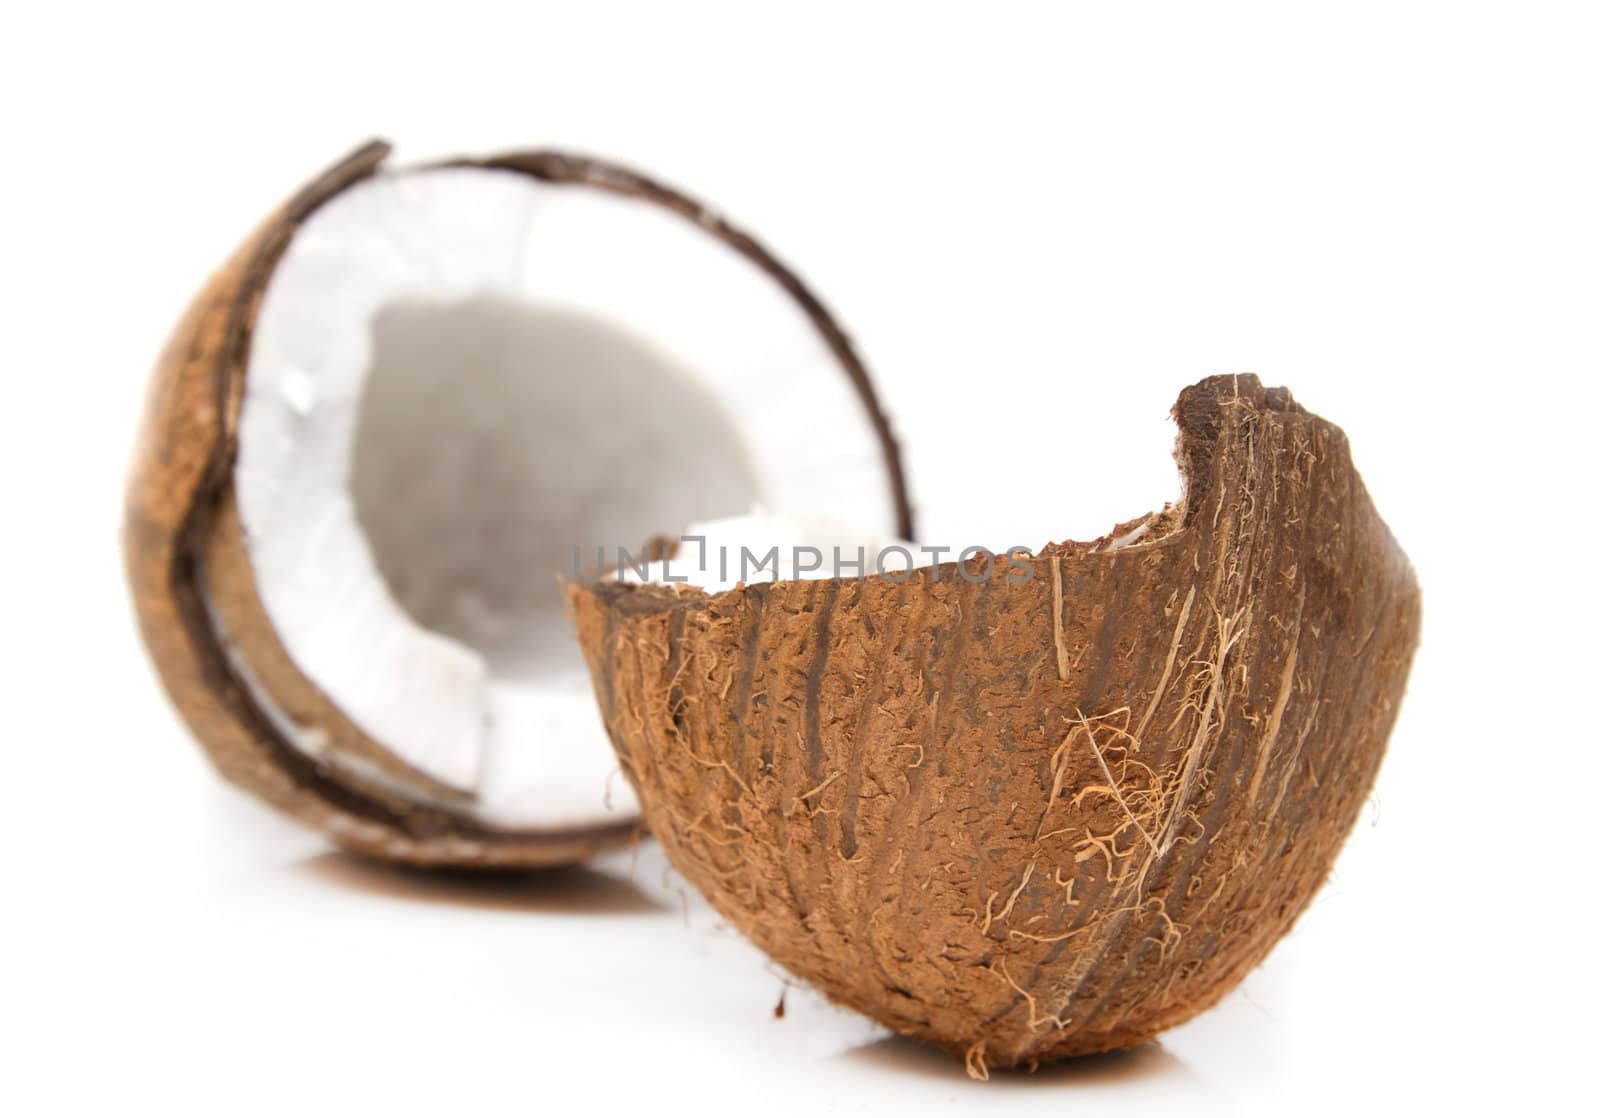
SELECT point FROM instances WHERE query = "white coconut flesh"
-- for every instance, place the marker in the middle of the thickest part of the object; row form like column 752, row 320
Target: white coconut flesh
column 458, row 379
column 719, row 555
column 759, row 547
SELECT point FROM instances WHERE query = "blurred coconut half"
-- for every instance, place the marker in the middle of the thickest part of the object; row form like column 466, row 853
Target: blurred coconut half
column 409, row 404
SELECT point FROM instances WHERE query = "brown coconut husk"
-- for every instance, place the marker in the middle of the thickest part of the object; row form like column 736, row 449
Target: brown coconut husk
column 194, row 591
column 1024, row 820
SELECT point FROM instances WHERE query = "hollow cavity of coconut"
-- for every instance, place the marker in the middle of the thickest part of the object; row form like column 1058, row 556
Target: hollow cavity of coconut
column 409, row 404
column 1030, row 819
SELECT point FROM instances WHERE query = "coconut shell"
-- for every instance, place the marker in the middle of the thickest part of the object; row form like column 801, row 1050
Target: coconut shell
column 1054, row 812
column 194, row 591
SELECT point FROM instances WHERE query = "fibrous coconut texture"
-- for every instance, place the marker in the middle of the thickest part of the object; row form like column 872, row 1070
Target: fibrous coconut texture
column 409, row 404
column 1030, row 819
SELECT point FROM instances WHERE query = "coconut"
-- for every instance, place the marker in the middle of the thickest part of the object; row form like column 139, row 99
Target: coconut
column 1039, row 805
column 411, row 402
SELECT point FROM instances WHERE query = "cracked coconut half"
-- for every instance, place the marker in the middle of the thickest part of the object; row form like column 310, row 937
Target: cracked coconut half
column 411, row 403
column 1024, row 818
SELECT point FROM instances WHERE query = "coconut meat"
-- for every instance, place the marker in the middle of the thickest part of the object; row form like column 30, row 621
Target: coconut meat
column 760, row 546
column 719, row 555
column 463, row 380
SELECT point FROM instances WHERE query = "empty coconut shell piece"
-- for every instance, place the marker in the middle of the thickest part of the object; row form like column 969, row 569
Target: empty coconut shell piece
column 380, row 432
column 1030, row 819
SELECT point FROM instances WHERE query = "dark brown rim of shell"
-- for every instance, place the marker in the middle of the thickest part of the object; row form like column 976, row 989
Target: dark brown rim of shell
column 1024, row 820
column 179, row 491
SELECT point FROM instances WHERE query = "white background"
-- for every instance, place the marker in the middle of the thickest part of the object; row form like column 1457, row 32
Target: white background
column 1040, row 223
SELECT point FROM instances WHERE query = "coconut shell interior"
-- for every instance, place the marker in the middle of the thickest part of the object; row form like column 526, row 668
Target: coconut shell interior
column 1023, row 819
column 191, row 580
